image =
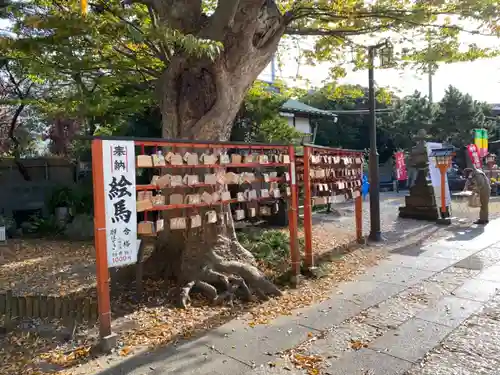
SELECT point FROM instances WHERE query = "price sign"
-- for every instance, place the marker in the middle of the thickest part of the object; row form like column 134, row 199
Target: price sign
column 120, row 202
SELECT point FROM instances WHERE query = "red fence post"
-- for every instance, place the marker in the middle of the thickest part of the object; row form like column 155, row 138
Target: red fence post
column 102, row 273
column 292, row 215
column 358, row 209
column 309, row 258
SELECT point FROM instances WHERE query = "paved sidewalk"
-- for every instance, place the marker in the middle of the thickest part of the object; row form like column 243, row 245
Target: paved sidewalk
column 430, row 309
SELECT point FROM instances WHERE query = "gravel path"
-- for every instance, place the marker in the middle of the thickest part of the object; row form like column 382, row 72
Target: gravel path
column 338, row 227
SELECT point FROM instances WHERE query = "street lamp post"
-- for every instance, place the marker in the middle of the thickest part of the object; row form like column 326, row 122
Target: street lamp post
column 385, row 56
column 490, row 162
column 443, row 159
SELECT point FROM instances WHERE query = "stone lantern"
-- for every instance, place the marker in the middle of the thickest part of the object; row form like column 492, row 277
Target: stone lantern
column 421, row 203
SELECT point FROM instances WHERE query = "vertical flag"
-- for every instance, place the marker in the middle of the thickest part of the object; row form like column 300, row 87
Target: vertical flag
column 481, row 141
column 485, row 142
column 83, row 6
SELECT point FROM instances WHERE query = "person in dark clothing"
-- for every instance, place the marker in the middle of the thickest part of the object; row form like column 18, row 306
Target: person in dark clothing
column 479, row 183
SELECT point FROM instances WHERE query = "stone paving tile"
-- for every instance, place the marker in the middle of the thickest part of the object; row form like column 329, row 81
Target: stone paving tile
column 327, row 314
column 492, row 253
column 425, row 263
column 443, row 362
column 393, row 312
column 477, row 290
column 412, row 340
column 368, row 293
column 338, row 341
column 452, row 253
column 480, row 336
column 453, row 277
column 254, row 345
column 367, row 362
column 475, row 262
column 490, row 273
column 275, row 367
column 450, row 311
column 472, row 238
column 396, row 275
column 471, row 349
column 193, row 358
column 426, row 292
column 495, row 245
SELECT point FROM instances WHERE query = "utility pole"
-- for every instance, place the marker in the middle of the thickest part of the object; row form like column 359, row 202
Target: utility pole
column 429, row 66
column 375, row 232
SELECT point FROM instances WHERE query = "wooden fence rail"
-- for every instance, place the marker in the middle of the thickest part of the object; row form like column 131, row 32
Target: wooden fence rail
column 20, row 307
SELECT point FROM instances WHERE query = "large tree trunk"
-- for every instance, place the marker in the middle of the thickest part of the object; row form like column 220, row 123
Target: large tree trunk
column 199, row 99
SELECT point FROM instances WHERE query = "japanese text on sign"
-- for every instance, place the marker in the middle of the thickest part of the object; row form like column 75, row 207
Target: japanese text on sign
column 401, row 173
column 474, row 155
column 120, row 202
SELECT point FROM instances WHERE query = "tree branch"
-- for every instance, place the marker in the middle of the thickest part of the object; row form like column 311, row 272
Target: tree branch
column 399, row 16
column 133, row 57
column 147, row 42
column 220, row 20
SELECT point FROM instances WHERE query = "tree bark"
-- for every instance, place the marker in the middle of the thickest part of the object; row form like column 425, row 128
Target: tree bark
column 16, row 145
column 199, row 99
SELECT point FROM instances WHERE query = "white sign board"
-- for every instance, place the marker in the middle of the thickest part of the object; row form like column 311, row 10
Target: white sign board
column 120, row 202
column 435, row 175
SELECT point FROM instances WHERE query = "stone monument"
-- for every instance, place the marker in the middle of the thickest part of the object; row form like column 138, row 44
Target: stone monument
column 421, row 203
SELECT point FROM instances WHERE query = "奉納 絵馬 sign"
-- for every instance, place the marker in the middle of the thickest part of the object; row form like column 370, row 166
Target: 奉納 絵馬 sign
column 120, row 202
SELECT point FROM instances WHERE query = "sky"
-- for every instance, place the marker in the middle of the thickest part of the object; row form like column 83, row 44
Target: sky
column 480, row 78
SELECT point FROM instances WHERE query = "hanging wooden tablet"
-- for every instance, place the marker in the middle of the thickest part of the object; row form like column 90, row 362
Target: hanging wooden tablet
column 211, row 216
column 239, row 214
column 176, row 199
column 145, row 227
column 144, row 161
column 163, row 181
column 160, row 225
column 223, row 158
column 158, row 159
column 177, row 223
column 236, row 159
column 195, row 221
column 191, row 158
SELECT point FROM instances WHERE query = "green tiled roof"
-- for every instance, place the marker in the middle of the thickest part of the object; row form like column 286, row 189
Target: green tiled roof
column 295, row 106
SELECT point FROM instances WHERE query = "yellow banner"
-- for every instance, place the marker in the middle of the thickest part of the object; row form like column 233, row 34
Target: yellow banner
column 83, row 6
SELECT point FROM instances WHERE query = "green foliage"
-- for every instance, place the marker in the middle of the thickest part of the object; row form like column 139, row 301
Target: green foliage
column 450, row 120
column 49, row 226
column 78, row 199
column 410, row 114
column 61, row 197
column 277, row 130
column 458, row 115
column 351, row 130
column 259, row 119
column 8, row 222
column 270, row 246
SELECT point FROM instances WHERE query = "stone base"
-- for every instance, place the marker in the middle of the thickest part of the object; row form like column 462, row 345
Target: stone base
column 446, row 221
column 108, row 343
column 419, row 213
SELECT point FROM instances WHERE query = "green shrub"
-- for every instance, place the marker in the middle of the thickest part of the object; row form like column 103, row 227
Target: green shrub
column 271, row 246
column 46, row 226
column 78, row 199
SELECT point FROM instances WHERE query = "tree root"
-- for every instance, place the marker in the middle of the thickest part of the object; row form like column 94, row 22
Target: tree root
column 228, row 271
column 236, row 279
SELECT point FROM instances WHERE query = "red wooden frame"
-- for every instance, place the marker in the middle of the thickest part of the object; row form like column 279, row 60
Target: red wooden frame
column 307, row 181
column 103, row 291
